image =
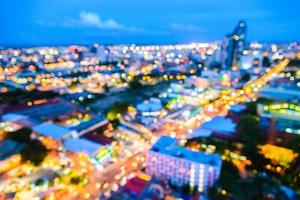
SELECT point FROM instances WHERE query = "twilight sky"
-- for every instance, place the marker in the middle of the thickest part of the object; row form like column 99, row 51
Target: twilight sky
column 56, row 22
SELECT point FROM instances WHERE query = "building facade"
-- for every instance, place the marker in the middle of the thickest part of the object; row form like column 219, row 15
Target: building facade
column 170, row 162
column 234, row 45
column 286, row 117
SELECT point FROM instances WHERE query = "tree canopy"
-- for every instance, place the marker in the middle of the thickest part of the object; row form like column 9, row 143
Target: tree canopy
column 33, row 151
column 20, row 135
column 135, row 84
column 116, row 110
column 249, row 130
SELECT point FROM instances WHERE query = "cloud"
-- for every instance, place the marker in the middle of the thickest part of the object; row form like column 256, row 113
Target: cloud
column 93, row 20
column 185, row 27
column 86, row 20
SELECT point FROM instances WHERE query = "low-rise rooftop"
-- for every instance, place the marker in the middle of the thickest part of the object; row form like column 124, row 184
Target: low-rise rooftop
column 52, row 130
column 220, row 124
column 82, row 145
column 168, row 146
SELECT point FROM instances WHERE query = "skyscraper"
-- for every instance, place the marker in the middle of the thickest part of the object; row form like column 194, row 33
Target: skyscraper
column 234, row 45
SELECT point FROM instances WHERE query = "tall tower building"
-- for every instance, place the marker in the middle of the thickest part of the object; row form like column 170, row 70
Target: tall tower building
column 234, row 45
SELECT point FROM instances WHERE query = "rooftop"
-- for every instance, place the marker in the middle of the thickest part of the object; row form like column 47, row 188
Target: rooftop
column 200, row 132
column 9, row 148
column 135, row 185
column 12, row 117
column 81, row 145
column 97, row 138
column 220, row 124
column 167, row 145
column 150, row 106
column 52, row 130
column 238, row 108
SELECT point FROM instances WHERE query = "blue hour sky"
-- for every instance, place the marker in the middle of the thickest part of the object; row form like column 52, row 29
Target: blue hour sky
column 57, row 22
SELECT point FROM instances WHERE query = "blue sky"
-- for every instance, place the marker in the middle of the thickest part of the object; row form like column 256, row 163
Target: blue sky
column 56, row 22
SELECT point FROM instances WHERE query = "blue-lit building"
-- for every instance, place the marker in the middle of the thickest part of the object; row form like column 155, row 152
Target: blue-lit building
column 285, row 115
column 234, row 45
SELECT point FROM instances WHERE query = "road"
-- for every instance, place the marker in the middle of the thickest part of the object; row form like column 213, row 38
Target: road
column 124, row 167
column 115, row 174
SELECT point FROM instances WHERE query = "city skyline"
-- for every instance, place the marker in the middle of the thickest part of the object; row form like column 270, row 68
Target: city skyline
column 34, row 23
column 125, row 100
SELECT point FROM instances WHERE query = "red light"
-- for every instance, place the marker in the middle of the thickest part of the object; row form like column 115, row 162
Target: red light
column 185, row 59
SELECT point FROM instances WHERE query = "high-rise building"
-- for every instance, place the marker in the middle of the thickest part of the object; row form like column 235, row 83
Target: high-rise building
column 234, row 45
column 170, row 162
